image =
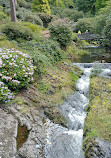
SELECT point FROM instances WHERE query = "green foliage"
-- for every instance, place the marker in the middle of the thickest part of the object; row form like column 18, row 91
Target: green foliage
column 86, row 5
column 62, row 3
column 15, row 31
column 72, row 14
column 61, row 32
column 35, row 28
column 2, row 14
column 98, row 120
column 75, row 37
column 43, row 86
column 46, row 18
column 106, row 10
column 107, row 32
column 56, row 3
column 26, row 15
column 52, row 50
column 85, row 24
column 5, row 3
column 24, row 4
column 41, row 6
column 44, row 53
column 91, row 5
column 100, row 22
column 100, row 4
column 16, row 69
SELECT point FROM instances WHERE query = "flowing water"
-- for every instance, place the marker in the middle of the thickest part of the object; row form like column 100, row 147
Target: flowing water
column 67, row 142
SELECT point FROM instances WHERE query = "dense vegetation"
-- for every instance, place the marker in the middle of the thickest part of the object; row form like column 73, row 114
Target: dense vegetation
column 45, row 30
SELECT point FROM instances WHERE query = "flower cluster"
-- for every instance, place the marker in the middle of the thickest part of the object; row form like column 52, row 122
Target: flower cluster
column 16, row 69
column 5, row 93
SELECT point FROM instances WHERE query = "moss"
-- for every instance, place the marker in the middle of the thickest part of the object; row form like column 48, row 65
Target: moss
column 98, row 120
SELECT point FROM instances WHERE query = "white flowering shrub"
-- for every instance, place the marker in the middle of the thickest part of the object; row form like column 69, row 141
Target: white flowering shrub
column 16, row 69
column 5, row 93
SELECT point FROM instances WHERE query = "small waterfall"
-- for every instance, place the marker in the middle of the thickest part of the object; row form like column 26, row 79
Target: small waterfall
column 67, row 142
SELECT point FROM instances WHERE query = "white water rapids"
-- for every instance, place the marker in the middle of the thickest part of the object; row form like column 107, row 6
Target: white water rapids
column 67, row 142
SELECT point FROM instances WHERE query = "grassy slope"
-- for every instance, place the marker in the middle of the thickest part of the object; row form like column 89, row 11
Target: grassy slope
column 98, row 121
column 51, row 89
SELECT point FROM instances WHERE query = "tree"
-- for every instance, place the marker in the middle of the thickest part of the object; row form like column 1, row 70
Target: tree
column 13, row 11
column 86, row 5
column 41, row 6
column 100, row 4
column 107, row 32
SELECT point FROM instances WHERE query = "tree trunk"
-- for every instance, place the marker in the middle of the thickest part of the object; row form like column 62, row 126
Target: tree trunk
column 13, row 11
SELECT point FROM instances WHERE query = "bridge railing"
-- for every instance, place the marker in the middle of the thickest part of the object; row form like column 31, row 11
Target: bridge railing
column 88, row 36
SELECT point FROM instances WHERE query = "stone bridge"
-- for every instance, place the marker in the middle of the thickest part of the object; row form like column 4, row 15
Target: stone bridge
column 88, row 36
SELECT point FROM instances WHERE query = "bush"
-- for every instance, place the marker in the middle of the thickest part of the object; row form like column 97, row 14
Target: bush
column 2, row 15
column 5, row 93
column 107, row 32
column 16, row 69
column 72, row 14
column 100, row 22
column 52, row 50
column 75, row 37
column 61, row 32
column 15, row 31
column 85, row 24
column 35, row 28
column 24, row 4
column 45, row 53
column 46, row 18
column 26, row 15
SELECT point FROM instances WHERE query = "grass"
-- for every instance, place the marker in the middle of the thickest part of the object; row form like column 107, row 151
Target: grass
column 98, row 121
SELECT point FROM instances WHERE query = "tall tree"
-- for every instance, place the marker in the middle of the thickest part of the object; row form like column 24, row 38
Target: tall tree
column 41, row 6
column 13, row 11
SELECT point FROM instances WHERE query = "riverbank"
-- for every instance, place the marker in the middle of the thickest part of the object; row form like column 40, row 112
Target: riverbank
column 97, row 131
column 31, row 107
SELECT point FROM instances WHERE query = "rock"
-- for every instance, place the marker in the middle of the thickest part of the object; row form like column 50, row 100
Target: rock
column 98, row 149
column 8, row 133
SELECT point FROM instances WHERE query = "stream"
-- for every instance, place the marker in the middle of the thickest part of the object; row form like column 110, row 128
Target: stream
column 67, row 142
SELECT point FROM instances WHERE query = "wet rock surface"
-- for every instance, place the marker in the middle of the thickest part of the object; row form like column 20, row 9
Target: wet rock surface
column 98, row 149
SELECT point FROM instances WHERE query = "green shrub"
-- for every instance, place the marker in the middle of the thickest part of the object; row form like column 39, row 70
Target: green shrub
column 52, row 50
column 75, row 37
column 26, row 15
column 2, row 15
column 85, row 24
column 41, row 6
column 15, row 31
column 72, row 14
column 16, row 69
column 61, row 32
column 5, row 93
column 46, row 18
column 24, row 4
column 45, row 53
column 35, row 28
column 100, row 22
column 41, row 61
column 107, row 32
